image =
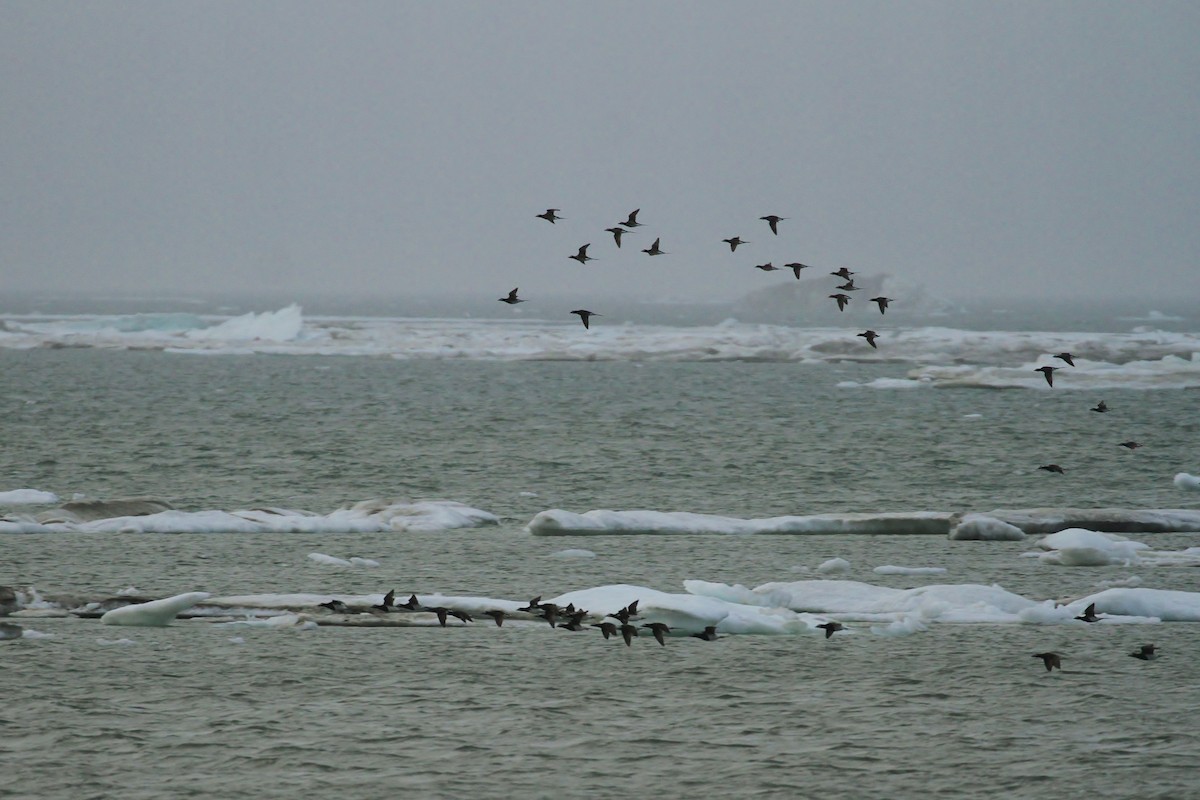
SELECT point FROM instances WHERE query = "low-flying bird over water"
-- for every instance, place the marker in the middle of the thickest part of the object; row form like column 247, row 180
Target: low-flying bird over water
column 773, row 221
column 1101, row 407
column 883, row 303
column 582, row 257
column 632, row 221
column 842, row 299
column 1051, row 660
column 1053, row 468
column 607, row 628
column 831, row 628
column 412, row 604
column 535, row 603
column 617, row 234
column 843, row 272
column 497, row 615
column 654, row 249
column 1130, row 445
column 512, row 298
column 1067, row 357
column 709, row 634
column 734, row 242
column 658, row 629
column 388, row 599
column 336, row 606
column 796, row 266
column 551, row 215
column 1145, row 653
column 767, row 267
column 1048, row 373
column 1089, row 614
column 870, row 336
column 628, row 632
column 585, row 315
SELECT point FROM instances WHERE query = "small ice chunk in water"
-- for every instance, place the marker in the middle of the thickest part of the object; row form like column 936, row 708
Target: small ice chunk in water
column 888, row 569
column 129, row 591
column 1188, row 482
column 156, row 613
column 237, row 640
column 527, row 494
column 981, row 527
column 115, row 642
column 363, row 562
column 574, row 553
column 834, row 566
column 331, row 561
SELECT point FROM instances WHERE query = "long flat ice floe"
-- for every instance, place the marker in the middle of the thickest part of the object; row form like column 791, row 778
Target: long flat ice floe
column 557, row 522
column 941, row 356
column 156, row 613
column 370, row 516
column 27, row 497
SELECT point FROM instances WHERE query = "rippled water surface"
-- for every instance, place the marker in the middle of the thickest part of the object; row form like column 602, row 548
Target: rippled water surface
column 953, row 711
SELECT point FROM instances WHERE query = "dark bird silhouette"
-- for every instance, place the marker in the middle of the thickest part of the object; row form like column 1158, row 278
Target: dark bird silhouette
column 1130, row 445
column 767, row 267
column 734, row 242
column 843, row 272
column 571, row 625
column 626, row 613
column 549, row 613
column 585, row 315
column 831, row 628
column 628, row 632
column 654, row 249
column 632, row 221
column 1145, row 653
column 1101, row 407
column 442, row 613
column 842, row 299
column 617, row 234
column 849, row 286
column 388, row 599
column 658, row 629
column 1089, row 614
column 497, row 615
column 1051, row 660
column 1053, row 468
column 1048, row 372
column 535, row 603
column 796, row 266
column 512, row 298
column 709, row 634
column 1067, row 357
column 412, row 604
column 461, row 615
column 883, row 303
column 336, row 606
column 632, row 608
column 870, row 336
column 582, row 257
column 551, row 215
column 773, row 221
column 607, row 628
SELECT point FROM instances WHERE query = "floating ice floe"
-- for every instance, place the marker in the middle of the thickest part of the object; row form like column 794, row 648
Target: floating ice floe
column 981, row 527
column 19, row 497
column 369, row 516
column 283, row 325
column 1189, row 482
column 156, row 613
column 574, row 552
column 1076, row 547
column 557, row 522
column 888, row 569
column 834, row 566
column 115, row 642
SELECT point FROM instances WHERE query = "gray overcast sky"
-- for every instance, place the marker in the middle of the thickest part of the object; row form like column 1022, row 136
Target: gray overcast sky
column 394, row 148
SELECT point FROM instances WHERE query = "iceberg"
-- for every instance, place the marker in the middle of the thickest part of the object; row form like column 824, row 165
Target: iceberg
column 156, row 613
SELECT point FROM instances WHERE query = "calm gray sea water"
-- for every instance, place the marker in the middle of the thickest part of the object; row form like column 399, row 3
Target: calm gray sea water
column 954, row 711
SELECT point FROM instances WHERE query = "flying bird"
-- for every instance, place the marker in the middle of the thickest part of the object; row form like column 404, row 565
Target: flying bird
column 617, row 234
column 1048, row 372
column 1130, row 445
column 497, row 615
column 1145, row 653
column 628, row 632
column 1089, row 614
column 632, row 221
column 796, row 266
column 709, row 634
column 654, row 249
column 582, row 257
column 831, row 628
column 607, row 628
column 388, row 599
column 336, row 606
column 1067, row 357
column 1053, row 468
column 658, row 629
column 734, row 242
column 551, row 215
column 849, row 286
column 1051, row 660
column 767, row 267
column 512, row 298
column 773, row 220
column 842, row 299
column 843, row 272
column 535, row 603
column 870, row 336
column 584, row 316
column 883, row 303
column 1101, row 407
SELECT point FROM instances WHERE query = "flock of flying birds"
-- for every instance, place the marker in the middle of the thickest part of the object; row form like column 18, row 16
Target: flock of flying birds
column 565, row 617
column 734, row 242
column 1051, row 660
